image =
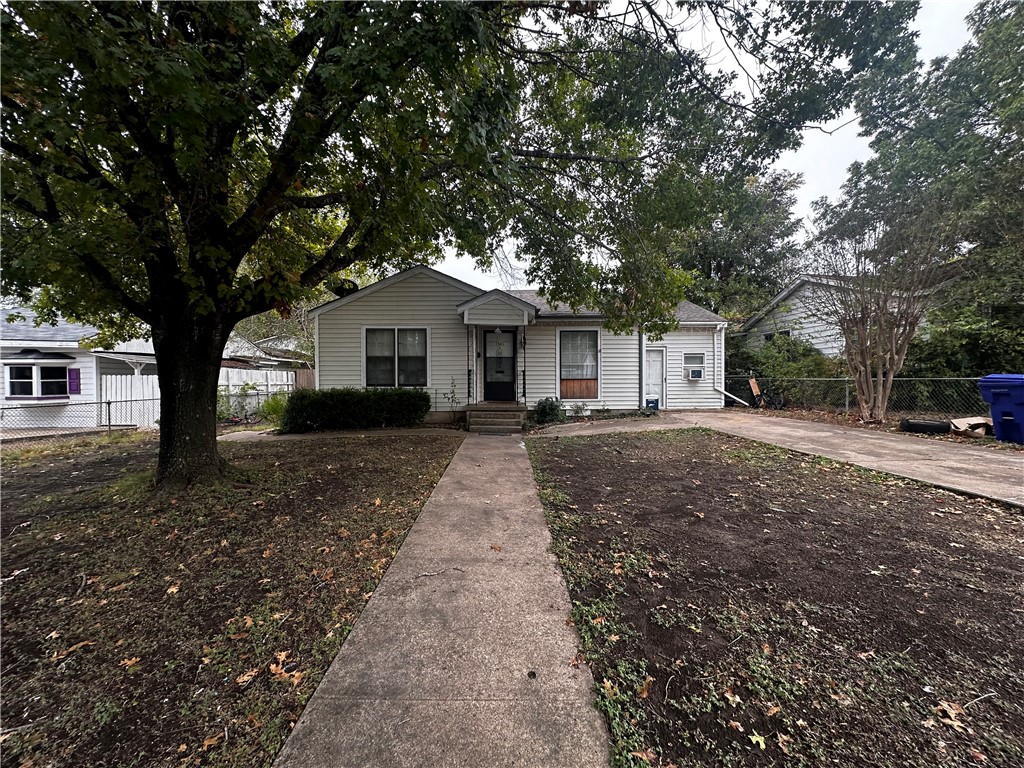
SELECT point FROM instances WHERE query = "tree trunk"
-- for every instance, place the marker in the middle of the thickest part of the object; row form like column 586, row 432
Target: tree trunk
column 188, row 356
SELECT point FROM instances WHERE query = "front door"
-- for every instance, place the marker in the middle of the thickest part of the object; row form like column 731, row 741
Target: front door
column 654, row 378
column 499, row 365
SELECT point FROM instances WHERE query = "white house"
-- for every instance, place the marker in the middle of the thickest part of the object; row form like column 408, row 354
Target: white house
column 52, row 383
column 422, row 328
column 793, row 313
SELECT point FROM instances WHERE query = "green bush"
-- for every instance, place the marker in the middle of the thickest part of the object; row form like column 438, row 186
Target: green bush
column 317, row 410
column 272, row 409
column 549, row 411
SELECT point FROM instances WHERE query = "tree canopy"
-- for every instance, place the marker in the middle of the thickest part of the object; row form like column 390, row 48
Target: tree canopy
column 181, row 166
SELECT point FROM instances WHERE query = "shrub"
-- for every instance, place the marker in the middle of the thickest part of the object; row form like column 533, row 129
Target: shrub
column 272, row 409
column 549, row 411
column 316, row 410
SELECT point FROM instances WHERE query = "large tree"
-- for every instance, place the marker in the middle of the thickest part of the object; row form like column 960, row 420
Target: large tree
column 184, row 165
column 953, row 130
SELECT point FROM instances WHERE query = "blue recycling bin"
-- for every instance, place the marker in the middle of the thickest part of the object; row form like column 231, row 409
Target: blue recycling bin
column 1004, row 393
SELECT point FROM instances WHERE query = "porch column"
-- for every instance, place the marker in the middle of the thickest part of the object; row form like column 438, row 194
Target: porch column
column 523, row 346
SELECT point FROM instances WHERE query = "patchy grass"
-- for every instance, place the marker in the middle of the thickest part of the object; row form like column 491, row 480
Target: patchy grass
column 741, row 605
column 149, row 630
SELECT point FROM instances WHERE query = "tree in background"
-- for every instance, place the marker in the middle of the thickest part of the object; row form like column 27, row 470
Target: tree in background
column 884, row 269
column 178, row 167
column 954, row 131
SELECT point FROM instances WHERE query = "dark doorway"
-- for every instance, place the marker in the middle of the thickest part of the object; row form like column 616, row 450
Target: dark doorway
column 500, row 365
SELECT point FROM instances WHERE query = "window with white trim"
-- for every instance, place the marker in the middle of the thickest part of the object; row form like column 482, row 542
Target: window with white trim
column 693, row 365
column 42, row 381
column 578, row 369
column 396, row 357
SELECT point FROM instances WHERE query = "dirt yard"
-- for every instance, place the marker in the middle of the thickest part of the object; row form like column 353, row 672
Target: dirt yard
column 151, row 630
column 741, row 605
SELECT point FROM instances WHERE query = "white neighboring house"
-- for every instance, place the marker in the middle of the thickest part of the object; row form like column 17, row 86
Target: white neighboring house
column 792, row 313
column 421, row 328
column 51, row 382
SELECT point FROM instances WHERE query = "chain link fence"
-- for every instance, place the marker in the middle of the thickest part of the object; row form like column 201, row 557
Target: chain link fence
column 941, row 398
column 57, row 422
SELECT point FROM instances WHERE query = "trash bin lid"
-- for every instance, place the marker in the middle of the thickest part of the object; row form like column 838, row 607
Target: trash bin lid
column 1002, row 379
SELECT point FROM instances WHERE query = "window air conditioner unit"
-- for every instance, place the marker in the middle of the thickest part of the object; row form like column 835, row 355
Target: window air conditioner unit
column 695, row 374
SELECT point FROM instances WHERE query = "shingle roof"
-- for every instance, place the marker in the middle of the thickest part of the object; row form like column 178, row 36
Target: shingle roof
column 26, row 330
column 686, row 312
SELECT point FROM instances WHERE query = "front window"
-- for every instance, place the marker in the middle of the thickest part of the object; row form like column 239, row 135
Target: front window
column 42, row 381
column 578, row 366
column 22, row 379
column 53, row 381
column 396, row 357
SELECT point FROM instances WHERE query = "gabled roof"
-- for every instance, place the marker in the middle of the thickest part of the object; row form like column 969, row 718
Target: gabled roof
column 789, row 290
column 528, row 300
column 505, row 297
column 420, row 269
column 64, row 333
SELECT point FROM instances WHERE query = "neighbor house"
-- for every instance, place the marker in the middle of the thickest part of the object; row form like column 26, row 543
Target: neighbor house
column 467, row 347
column 797, row 312
column 54, row 382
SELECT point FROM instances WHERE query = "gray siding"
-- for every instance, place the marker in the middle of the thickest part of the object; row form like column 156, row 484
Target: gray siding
column 418, row 301
column 796, row 315
column 619, row 359
column 495, row 313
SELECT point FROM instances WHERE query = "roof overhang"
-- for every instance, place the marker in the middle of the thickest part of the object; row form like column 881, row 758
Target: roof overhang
column 370, row 289
column 36, row 356
column 498, row 297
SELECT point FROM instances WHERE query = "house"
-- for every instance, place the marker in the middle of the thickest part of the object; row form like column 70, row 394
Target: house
column 476, row 349
column 793, row 313
column 53, row 383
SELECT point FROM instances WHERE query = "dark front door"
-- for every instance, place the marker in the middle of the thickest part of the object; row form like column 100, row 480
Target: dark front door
column 499, row 365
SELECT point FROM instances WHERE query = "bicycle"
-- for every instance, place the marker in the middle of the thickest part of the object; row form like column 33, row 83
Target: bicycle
column 764, row 399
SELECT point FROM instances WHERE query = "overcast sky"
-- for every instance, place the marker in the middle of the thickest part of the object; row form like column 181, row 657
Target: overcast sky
column 823, row 158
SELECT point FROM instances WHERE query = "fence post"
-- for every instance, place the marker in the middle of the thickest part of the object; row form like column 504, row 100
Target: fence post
column 847, row 397
column 108, row 417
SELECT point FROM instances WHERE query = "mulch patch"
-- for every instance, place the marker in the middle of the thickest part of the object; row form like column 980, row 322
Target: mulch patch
column 146, row 629
column 744, row 605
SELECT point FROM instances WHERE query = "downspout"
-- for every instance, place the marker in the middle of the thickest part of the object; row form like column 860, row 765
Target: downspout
column 721, row 390
column 640, row 369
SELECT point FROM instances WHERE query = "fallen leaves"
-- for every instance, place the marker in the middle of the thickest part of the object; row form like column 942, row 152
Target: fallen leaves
column 128, row 663
column 211, row 741
column 645, row 689
column 174, row 588
column 731, row 697
column 949, row 713
column 757, row 740
column 58, row 655
column 247, row 677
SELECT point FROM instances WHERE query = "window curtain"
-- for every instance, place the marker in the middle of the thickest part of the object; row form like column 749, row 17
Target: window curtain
column 579, row 354
column 412, row 357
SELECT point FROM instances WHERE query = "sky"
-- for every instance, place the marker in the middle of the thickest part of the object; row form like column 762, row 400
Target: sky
column 823, row 158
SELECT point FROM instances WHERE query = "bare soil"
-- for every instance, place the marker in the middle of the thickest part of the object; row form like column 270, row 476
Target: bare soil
column 142, row 629
column 742, row 605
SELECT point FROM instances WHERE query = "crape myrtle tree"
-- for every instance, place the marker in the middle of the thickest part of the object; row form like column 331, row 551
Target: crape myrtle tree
column 882, row 271
column 176, row 167
column 954, row 130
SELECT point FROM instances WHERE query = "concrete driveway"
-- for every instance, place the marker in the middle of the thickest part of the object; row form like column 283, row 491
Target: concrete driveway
column 976, row 470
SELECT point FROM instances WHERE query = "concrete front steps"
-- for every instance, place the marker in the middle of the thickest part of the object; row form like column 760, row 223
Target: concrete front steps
column 495, row 418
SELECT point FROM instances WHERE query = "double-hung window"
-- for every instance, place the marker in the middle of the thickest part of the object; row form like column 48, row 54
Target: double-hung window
column 578, row 366
column 396, row 357
column 42, row 381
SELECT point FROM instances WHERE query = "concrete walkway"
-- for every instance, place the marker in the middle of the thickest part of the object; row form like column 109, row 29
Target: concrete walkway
column 978, row 471
column 462, row 657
